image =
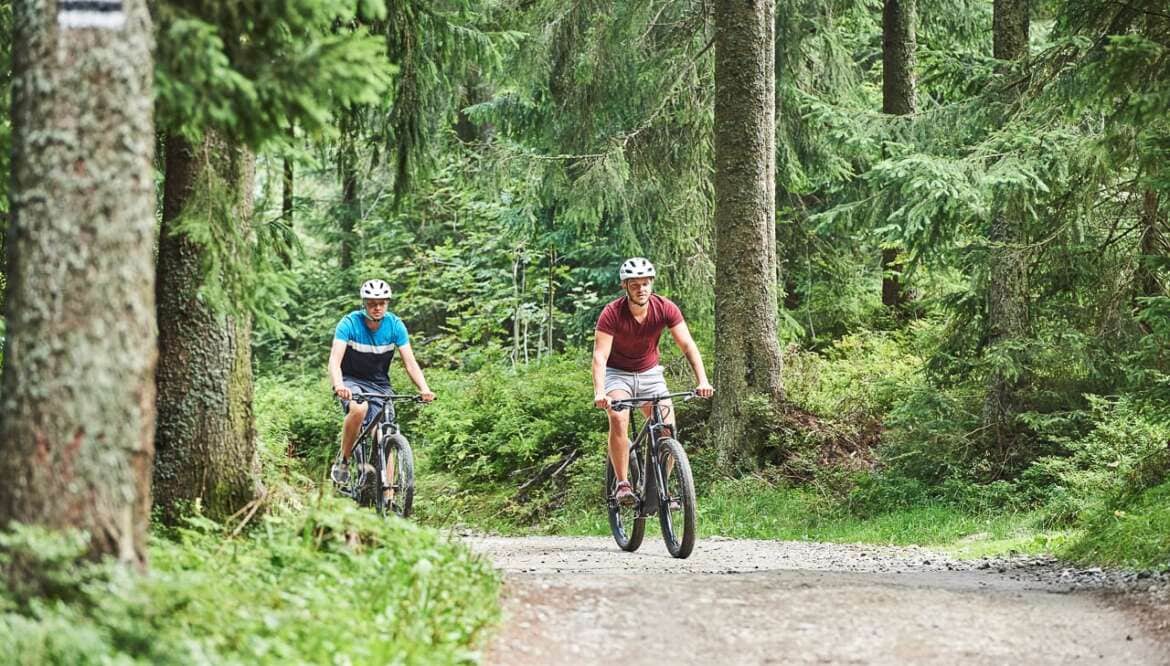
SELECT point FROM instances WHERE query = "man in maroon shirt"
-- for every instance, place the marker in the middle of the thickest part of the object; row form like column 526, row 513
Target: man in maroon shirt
column 625, row 359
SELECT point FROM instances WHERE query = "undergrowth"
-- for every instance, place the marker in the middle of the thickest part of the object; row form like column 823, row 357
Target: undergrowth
column 334, row 584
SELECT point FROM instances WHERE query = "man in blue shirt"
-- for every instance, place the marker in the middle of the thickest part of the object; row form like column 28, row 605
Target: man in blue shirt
column 363, row 346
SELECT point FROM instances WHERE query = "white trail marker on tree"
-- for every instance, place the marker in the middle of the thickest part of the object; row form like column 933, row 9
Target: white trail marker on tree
column 106, row 14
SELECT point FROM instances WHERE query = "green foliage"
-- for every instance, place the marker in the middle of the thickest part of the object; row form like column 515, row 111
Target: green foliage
column 865, row 372
column 499, row 423
column 1136, row 534
column 524, row 149
column 299, row 418
column 1123, row 453
column 242, row 264
column 300, row 587
column 252, row 70
column 247, row 74
column 472, row 271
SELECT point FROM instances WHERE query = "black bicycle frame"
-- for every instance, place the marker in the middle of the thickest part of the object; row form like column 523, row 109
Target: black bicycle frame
column 652, row 430
column 387, row 416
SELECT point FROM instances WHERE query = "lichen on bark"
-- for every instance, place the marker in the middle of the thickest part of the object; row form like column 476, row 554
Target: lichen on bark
column 77, row 406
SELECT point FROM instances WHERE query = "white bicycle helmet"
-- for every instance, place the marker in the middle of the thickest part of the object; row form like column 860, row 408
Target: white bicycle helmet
column 636, row 267
column 375, row 289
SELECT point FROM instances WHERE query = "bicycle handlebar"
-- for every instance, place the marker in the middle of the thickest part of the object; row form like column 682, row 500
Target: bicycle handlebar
column 362, row 396
column 629, row 403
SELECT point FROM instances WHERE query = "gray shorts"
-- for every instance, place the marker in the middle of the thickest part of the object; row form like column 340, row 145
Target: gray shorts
column 645, row 384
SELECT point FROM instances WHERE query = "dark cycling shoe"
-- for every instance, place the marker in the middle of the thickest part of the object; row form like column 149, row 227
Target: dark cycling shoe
column 625, row 494
column 339, row 473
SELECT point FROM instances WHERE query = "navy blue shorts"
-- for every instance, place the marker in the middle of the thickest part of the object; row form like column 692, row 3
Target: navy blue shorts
column 365, row 386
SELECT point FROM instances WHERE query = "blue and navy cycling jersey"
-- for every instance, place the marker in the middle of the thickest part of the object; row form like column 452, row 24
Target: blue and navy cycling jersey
column 368, row 353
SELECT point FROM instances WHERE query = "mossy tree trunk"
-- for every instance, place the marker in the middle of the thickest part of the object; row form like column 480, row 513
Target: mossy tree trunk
column 77, row 407
column 747, row 358
column 206, row 443
column 899, row 43
column 1007, row 286
column 1154, row 246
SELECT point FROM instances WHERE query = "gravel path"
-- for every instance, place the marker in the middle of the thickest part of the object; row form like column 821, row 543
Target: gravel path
column 580, row 600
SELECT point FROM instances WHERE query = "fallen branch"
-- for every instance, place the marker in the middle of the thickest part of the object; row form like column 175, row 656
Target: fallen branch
column 548, row 473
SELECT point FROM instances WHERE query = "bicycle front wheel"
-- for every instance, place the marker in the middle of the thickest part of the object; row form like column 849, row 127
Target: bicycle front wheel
column 361, row 475
column 379, row 486
column 627, row 525
column 400, row 468
column 677, row 511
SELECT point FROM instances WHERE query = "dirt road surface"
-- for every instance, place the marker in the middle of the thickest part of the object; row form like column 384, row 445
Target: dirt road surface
column 580, row 600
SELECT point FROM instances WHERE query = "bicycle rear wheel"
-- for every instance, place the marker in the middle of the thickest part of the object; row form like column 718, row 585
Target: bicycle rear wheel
column 401, row 487
column 677, row 512
column 627, row 526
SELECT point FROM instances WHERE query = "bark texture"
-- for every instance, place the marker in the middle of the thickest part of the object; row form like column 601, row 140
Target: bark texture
column 77, row 405
column 1007, row 288
column 206, row 441
column 748, row 357
column 899, row 44
column 1154, row 245
column 1011, row 24
column 286, row 193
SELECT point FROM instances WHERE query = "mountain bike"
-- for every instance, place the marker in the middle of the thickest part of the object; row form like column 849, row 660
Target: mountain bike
column 660, row 475
column 381, row 466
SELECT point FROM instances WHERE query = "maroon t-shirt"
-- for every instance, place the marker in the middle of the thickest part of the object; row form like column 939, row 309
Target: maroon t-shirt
column 635, row 345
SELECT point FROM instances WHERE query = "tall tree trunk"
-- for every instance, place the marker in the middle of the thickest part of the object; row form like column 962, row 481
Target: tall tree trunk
column 1007, row 288
column 1011, row 20
column 1154, row 245
column 748, row 356
column 286, row 192
column 205, row 439
column 475, row 91
column 77, row 407
column 898, row 46
column 347, row 168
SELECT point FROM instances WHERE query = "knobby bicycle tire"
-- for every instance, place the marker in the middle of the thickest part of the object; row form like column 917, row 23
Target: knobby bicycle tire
column 379, row 457
column 627, row 526
column 680, row 487
column 403, row 481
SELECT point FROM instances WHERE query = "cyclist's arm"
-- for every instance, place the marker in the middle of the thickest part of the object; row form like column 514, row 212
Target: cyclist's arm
column 602, row 344
column 682, row 338
column 335, row 355
column 415, row 373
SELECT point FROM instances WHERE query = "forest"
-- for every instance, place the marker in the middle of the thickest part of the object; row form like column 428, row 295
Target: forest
column 923, row 246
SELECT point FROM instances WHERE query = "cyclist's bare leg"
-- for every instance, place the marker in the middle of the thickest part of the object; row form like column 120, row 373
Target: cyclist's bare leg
column 352, row 426
column 619, row 437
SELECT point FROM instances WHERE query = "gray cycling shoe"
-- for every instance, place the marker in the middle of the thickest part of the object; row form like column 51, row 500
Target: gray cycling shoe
column 339, row 473
column 625, row 494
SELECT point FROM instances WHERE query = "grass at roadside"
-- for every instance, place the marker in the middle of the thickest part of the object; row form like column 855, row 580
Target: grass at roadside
column 1135, row 536
column 333, row 584
column 753, row 509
